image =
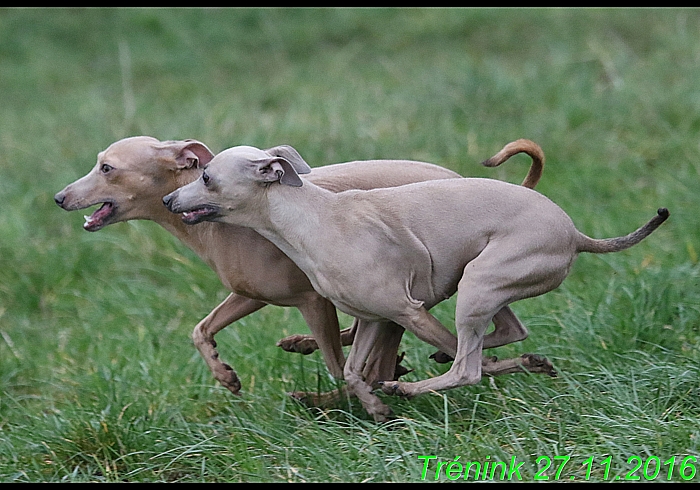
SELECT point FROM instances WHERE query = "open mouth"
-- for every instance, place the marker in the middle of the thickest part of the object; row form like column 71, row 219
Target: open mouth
column 198, row 215
column 99, row 218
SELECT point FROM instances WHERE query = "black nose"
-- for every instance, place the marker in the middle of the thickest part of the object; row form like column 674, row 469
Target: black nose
column 167, row 200
column 59, row 198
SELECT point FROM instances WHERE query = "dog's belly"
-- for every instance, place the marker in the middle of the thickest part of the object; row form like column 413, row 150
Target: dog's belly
column 375, row 294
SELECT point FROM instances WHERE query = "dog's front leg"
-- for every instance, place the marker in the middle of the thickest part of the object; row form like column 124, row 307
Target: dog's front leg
column 368, row 335
column 233, row 308
column 382, row 363
column 322, row 319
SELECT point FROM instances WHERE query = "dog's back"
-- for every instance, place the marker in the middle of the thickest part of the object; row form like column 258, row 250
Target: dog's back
column 369, row 174
column 430, row 231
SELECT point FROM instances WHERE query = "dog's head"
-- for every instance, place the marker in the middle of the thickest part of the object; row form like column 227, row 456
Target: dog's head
column 131, row 177
column 234, row 180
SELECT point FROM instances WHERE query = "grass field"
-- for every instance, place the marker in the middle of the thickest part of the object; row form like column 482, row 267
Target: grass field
column 99, row 380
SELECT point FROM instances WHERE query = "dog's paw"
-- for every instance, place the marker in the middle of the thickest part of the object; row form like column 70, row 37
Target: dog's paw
column 539, row 364
column 301, row 344
column 380, row 411
column 313, row 399
column 400, row 370
column 383, row 414
column 229, row 379
column 393, row 388
column 441, row 358
column 304, row 397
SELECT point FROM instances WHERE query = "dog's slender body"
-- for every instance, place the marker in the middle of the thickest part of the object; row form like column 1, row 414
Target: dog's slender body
column 492, row 242
column 131, row 177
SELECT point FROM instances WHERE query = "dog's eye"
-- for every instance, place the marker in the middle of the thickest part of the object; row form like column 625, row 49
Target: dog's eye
column 205, row 178
column 106, row 168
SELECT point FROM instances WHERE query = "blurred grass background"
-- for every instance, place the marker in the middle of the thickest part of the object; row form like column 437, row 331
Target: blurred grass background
column 99, row 380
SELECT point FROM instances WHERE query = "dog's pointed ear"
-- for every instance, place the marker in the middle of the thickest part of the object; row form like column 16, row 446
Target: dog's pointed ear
column 189, row 153
column 291, row 156
column 277, row 169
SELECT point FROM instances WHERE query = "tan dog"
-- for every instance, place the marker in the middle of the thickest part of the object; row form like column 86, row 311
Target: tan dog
column 491, row 242
column 132, row 176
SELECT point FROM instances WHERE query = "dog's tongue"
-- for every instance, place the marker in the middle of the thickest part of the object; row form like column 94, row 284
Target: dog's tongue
column 96, row 219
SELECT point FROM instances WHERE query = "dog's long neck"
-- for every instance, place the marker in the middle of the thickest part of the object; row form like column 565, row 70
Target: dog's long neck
column 294, row 217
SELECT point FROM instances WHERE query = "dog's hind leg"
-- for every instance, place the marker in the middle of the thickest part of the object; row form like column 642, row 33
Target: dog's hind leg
column 508, row 329
column 466, row 368
column 306, row 344
column 482, row 292
column 530, row 363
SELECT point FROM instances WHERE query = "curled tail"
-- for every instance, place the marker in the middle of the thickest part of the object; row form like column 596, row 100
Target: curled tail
column 521, row 146
column 587, row 244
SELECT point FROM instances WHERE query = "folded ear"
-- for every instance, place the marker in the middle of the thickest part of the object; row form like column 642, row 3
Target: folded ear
column 276, row 169
column 188, row 153
column 291, row 156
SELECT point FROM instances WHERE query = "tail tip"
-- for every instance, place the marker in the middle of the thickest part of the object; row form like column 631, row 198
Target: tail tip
column 663, row 213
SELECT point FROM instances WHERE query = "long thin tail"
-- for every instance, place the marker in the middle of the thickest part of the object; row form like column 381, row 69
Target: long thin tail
column 587, row 244
column 521, row 146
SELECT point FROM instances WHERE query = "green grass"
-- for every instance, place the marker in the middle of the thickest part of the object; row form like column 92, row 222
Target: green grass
column 99, row 380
